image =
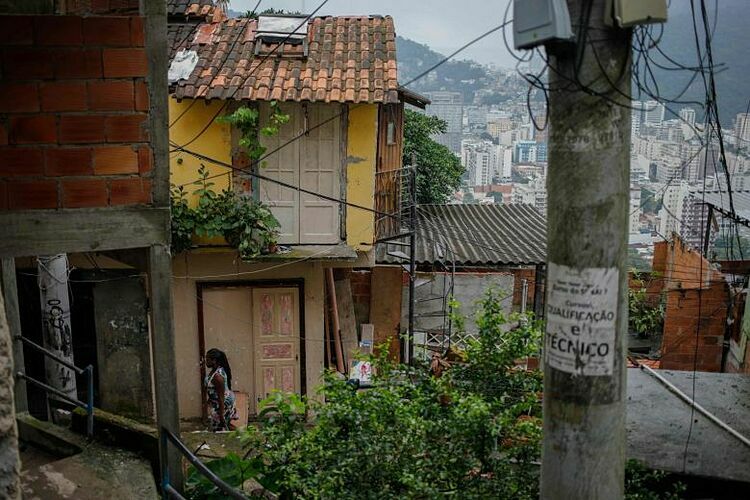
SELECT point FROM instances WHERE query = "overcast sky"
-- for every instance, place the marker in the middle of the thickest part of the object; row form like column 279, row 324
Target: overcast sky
column 444, row 25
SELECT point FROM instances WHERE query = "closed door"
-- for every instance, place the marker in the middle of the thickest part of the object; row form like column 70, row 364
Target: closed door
column 306, row 153
column 319, row 172
column 277, row 340
column 227, row 325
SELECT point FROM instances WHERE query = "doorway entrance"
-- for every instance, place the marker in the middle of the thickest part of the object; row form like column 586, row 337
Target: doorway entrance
column 258, row 326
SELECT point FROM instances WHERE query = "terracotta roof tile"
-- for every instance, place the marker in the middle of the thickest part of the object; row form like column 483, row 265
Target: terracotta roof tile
column 190, row 9
column 350, row 59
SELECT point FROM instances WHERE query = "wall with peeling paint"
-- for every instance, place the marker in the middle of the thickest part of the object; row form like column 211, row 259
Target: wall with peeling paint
column 361, row 153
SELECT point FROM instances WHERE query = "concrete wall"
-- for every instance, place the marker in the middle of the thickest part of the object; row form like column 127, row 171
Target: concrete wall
column 469, row 288
column 123, row 349
column 189, row 269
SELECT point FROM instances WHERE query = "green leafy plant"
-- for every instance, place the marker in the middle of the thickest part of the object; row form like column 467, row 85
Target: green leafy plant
column 473, row 432
column 647, row 484
column 246, row 224
column 644, row 318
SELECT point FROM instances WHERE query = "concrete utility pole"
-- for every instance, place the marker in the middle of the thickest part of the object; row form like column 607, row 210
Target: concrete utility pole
column 56, row 328
column 10, row 464
column 586, row 310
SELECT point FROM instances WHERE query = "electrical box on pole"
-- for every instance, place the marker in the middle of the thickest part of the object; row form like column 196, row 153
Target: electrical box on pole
column 627, row 13
column 540, row 21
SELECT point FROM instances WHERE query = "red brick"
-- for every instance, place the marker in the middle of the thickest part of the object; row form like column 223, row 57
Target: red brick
column 81, row 129
column 19, row 98
column 3, row 135
column 32, row 194
column 16, row 30
column 3, row 195
column 141, row 96
column 111, row 96
column 110, row 31
column 144, row 160
column 36, row 129
column 78, row 63
column 126, row 128
column 28, row 64
column 66, row 162
column 129, row 191
column 115, row 160
column 137, row 32
column 20, row 161
column 58, row 30
column 78, row 193
column 122, row 63
column 63, row 96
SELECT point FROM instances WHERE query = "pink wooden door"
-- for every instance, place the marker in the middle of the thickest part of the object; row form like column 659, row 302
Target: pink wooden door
column 277, row 339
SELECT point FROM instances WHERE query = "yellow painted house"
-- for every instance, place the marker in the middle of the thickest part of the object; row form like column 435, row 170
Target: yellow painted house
column 327, row 176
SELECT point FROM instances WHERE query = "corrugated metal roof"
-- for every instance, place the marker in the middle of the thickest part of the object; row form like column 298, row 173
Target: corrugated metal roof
column 476, row 235
column 720, row 199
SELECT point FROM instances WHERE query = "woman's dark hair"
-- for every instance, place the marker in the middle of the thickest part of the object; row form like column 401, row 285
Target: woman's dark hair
column 221, row 361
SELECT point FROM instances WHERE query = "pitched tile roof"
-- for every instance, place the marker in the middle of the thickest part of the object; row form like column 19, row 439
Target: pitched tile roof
column 350, row 59
column 190, row 9
column 477, row 235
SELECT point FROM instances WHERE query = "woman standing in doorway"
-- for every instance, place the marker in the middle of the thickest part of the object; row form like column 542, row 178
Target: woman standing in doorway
column 221, row 408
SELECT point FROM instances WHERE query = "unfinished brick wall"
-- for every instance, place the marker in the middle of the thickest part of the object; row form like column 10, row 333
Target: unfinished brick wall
column 695, row 317
column 361, row 290
column 528, row 274
column 74, row 108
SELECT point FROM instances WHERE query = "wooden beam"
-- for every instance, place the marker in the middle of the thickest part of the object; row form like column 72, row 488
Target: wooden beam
column 12, row 311
column 44, row 232
column 347, row 320
column 163, row 355
column 155, row 19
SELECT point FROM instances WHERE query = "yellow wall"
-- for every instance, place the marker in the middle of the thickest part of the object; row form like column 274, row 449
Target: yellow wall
column 214, row 143
column 360, row 174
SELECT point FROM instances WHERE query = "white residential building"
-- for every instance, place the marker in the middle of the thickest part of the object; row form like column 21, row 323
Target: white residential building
column 653, row 112
column 687, row 115
column 449, row 107
column 635, row 209
column 670, row 215
column 742, row 131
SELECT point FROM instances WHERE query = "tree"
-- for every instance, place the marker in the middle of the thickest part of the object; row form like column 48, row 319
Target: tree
column 439, row 171
column 635, row 261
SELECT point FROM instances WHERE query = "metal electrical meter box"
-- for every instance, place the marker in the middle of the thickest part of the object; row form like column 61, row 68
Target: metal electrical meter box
column 627, row 13
column 539, row 21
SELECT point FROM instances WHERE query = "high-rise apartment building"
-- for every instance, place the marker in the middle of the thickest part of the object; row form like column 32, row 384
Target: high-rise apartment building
column 742, row 131
column 653, row 112
column 687, row 115
column 530, row 152
column 448, row 106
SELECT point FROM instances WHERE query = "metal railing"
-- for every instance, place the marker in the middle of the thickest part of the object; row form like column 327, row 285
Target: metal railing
column 169, row 491
column 89, row 371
